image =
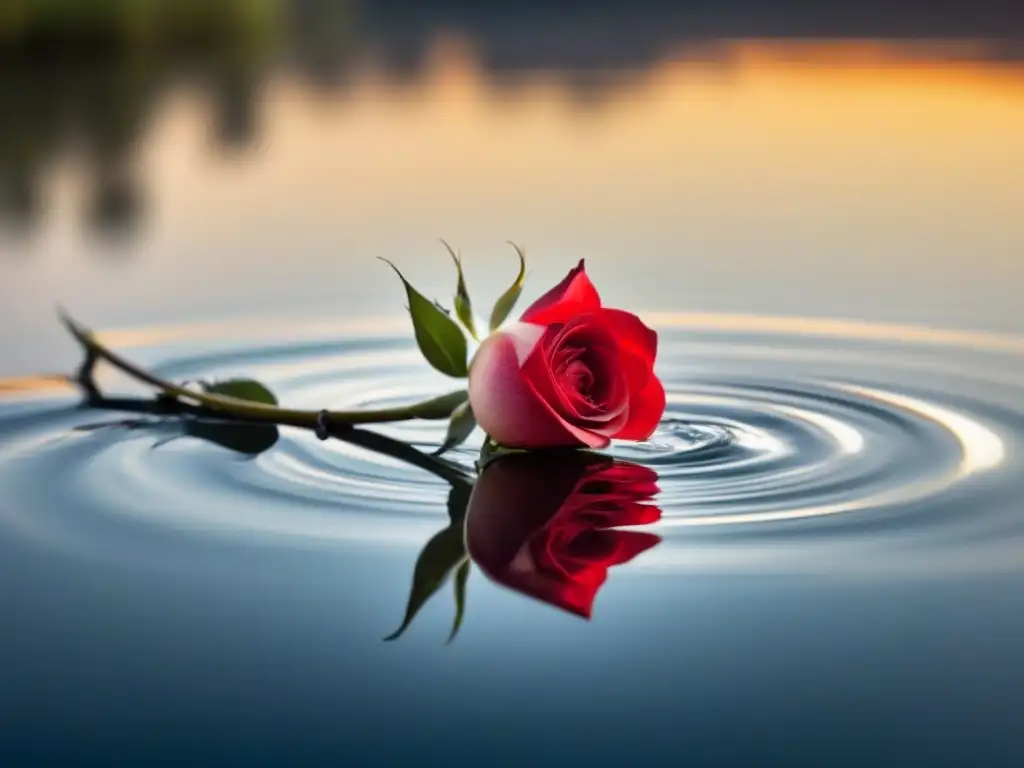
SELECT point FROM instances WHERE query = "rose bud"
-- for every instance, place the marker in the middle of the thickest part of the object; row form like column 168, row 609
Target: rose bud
column 569, row 373
column 543, row 524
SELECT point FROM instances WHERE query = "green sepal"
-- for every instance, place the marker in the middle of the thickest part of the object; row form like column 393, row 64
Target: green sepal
column 503, row 306
column 461, row 426
column 439, row 407
column 463, row 306
column 492, row 451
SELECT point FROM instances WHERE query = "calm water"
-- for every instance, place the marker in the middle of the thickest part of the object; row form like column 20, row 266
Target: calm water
column 827, row 237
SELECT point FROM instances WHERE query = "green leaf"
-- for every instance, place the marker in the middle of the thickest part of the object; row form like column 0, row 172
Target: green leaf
column 462, row 424
column 441, row 555
column 508, row 299
column 461, row 577
column 250, row 439
column 463, row 306
column 242, row 389
column 439, row 407
column 439, row 337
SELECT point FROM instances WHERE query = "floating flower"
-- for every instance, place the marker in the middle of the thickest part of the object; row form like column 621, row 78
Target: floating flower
column 570, row 373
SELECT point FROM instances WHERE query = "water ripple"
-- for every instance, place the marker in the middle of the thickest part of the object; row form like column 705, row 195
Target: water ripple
column 787, row 444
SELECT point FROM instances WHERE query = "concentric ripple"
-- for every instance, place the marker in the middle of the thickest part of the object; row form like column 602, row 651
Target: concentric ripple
column 788, row 444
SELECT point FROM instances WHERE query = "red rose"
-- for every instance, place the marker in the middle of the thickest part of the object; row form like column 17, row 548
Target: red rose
column 569, row 373
column 543, row 524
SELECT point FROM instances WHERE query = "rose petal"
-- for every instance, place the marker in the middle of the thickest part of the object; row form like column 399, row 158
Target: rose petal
column 575, row 597
column 598, row 422
column 524, row 336
column 634, row 479
column 645, row 411
column 598, row 353
column 536, row 376
column 631, row 334
column 587, row 437
column 508, row 407
column 552, row 550
column 605, row 413
column 639, row 347
column 569, row 593
column 619, row 512
column 571, row 297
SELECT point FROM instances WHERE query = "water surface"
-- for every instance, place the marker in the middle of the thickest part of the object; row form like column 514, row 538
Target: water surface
column 825, row 236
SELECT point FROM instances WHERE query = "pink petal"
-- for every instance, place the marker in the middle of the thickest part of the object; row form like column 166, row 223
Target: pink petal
column 508, row 407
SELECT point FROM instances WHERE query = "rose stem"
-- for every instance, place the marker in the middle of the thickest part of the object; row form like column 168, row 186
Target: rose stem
column 434, row 408
column 446, row 470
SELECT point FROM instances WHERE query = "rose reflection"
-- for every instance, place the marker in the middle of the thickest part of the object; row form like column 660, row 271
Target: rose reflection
column 545, row 524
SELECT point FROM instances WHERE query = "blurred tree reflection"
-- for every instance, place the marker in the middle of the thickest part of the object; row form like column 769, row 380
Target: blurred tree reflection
column 28, row 132
column 136, row 25
column 82, row 79
column 20, row 203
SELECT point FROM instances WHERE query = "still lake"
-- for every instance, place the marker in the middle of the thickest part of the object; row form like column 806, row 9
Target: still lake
column 828, row 238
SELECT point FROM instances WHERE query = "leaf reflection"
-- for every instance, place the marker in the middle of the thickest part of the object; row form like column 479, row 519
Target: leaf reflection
column 442, row 555
column 239, row 437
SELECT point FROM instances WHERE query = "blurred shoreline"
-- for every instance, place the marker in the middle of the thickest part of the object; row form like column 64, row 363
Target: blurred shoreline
column 531, row 33
column 85, row 78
